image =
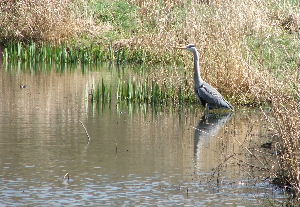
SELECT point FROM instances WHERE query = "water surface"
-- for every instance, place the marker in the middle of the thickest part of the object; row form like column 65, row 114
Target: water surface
column 137, row 156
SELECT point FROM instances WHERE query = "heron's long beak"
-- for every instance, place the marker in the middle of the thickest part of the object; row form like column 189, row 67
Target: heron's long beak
column 180, row 47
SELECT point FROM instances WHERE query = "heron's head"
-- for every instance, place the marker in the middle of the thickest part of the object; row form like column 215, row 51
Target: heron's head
column 189, row 47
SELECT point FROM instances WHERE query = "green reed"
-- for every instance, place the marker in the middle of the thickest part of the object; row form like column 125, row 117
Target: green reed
column 143, row 92
column 46, row 53
column 103, row 93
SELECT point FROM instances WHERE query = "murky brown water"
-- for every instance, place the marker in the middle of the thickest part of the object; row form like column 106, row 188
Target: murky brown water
column 135, row 157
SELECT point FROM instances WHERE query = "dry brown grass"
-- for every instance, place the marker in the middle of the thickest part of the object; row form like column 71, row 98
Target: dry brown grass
column 220, row 30
column 285, row 122
column 53, row 21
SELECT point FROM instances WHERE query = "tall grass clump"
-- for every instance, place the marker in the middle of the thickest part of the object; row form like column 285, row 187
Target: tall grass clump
column 150, row 92
column 102, row 94
column 33, row 52
column 48, row 53
column 285, row 122
column 53, row 21
column 37, row 20
column 143, row 91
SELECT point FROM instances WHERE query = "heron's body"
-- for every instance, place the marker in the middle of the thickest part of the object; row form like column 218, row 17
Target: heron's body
column 208, row 95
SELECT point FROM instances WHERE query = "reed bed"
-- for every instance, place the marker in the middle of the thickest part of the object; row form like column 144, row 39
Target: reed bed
column 44, row 21
column 102, row 94
column 151, row 92
column 48, row 53
column 143, row 92
column 37, row 20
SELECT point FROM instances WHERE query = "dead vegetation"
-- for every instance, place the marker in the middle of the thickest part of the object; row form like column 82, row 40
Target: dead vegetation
column 285, row 123
column 44, row 21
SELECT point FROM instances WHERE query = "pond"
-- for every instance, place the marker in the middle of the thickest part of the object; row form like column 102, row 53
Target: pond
column 137, row 155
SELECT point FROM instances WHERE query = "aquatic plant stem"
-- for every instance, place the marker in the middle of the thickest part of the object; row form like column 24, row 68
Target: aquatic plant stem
column 86, row 132
column 251, row 153
column 67, row 176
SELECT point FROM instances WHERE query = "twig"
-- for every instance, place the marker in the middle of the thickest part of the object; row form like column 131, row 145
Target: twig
column 251, row 165
column 220, row 165
column 250, row 152
column 86, row 132
column 67, row 176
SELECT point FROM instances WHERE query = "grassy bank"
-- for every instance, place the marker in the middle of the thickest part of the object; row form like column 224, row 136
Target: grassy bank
column 240, row 41
column 249, row 51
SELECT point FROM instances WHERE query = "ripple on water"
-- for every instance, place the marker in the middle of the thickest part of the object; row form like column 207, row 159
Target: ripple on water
column 161, row 160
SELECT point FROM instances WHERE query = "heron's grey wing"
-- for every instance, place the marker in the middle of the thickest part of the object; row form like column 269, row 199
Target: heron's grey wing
column 203, row 102
column 212, row 96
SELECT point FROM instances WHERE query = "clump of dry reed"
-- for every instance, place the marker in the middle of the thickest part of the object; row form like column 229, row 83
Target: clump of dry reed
column 285, row 123
column 220, row 30
column 52, row 21
column 284, row 120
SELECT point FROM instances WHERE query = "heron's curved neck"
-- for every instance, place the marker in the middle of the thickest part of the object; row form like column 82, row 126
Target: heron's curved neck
column 197, row 74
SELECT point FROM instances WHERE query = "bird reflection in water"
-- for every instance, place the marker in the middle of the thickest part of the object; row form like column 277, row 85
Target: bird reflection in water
column 208, row 128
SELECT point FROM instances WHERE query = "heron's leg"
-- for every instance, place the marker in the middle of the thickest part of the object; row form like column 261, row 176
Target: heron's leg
column 206, row 111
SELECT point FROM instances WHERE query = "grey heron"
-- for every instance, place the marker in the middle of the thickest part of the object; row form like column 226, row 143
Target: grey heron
column 208, row 95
